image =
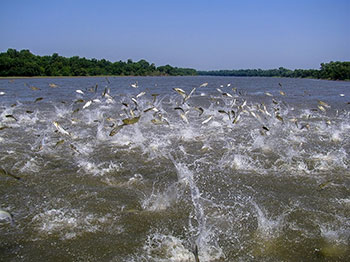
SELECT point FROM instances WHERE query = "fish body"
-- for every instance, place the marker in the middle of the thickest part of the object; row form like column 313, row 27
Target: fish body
column 207, row 120
column 6, row 173
column 60, row 129
column 4, row 215
column 87, row 104
column 130, row 121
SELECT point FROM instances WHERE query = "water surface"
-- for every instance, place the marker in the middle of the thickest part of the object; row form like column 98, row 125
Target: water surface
column 255, row 171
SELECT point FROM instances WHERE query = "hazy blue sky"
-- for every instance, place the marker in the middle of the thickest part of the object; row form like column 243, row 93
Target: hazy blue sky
column 198, row 34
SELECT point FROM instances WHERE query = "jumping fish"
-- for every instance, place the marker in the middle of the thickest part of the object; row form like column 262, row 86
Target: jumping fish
column 38, row 99
column 203, row 85
column 59, row 143
column 4, row 215
column 195, row 253
column 321, row 108
column 130, row 121
column 2, row 93
column 140, row 94
column 135, row 85
column 11, row 116
column 324, row 104
column 53, row 85
column 79, row 91
column 6, row 173
column 87, row 104
column 268, row 94
column 32, row 87
column 60, row 129
column 207, row 120
column 200, row 110
column 180, row 92
column 116, row 130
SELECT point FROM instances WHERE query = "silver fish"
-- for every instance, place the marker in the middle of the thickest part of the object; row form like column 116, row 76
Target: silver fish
column 4, row 215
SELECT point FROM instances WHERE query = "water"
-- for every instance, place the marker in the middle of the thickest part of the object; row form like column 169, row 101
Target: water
column 273, row 186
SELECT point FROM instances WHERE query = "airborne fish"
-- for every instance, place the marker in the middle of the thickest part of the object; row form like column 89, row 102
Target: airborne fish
column 130, row 121
column 207, row 120
column 4, row 215
column 60, row 129
column 6, row 173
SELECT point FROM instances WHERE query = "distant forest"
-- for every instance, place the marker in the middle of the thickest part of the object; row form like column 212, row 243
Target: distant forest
column 332, row 71
column 24, row 63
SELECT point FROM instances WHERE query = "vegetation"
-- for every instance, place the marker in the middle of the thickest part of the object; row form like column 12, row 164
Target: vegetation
column 332, row 70
column 24, row 63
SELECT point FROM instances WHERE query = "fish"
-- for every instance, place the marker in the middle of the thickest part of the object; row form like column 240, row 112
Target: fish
column 134, row 85
column 203, row 85
column 4, row 215
column 151, row 108
column 180, row 92
column 79, row 91
column 29, row 112
column 140, row 94
column 235, row 120
column 324, row 104
column 200, row 110
column 159, row 121
column 207, row 120
column 265, row 128
column 189, row 95
column 88, row 103
column 227, row 94
column 179, row 108
column 130, row 121
column 135, row 101
column 280, row 84
column 4, row 127
column 6, row 173
column 79, row 101
column 279, row 118
column 74, row 148
column 282, row 93
column 116, row 130
column 59, row 143
column 154, row 97
column 321, row 108
column 38, row 99
column 60, row 129
column 268, row 94
column 224, row 112
column 11, row 116
column 2, row 93
column 32, row 87
column 195, row 253
column 184, row 118
column 107, row 80
column 76, row 111
column 52, row 85
column 323, row 185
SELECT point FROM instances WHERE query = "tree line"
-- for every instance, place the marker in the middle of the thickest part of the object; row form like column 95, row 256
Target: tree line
column 24, row 63
column 332, row 70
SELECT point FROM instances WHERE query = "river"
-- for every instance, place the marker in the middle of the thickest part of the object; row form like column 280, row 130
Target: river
column 130, row 169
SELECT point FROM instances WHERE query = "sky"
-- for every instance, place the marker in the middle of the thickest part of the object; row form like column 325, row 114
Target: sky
column 205, row 35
